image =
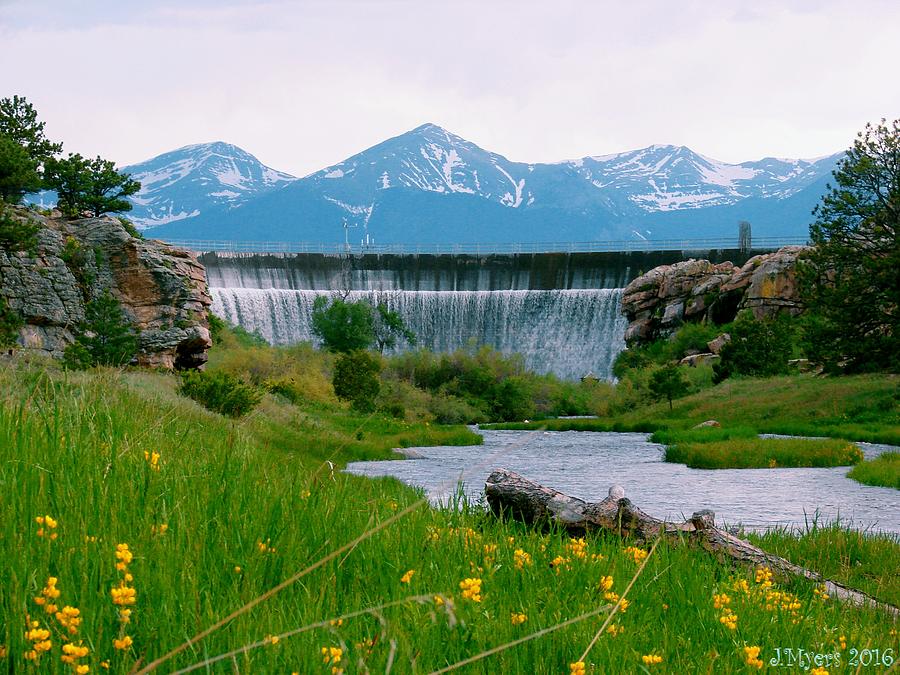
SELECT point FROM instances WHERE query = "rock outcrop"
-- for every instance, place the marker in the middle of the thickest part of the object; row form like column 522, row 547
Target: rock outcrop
column 162, row 290
column 658, row 302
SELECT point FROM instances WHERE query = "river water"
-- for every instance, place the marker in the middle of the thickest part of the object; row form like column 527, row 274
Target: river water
column 585, row 464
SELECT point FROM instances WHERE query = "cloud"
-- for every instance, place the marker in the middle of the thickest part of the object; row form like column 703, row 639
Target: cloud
column 305, row 84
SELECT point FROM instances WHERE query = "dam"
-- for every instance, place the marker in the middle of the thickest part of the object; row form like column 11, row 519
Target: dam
column 561, row 311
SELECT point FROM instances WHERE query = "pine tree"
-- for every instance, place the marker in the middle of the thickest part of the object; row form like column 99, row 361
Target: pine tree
column 18, row 171
column 851, row 279
column 106, row 338
column 91, row 185
column 19, row 123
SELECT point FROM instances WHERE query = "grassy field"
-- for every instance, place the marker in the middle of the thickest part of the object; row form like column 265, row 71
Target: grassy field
column 217, row 512
column 884, row 470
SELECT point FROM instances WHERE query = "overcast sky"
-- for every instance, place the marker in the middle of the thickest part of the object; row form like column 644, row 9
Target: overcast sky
column 303, row 84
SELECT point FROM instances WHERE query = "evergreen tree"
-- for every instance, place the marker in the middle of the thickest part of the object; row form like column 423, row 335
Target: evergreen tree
column 669, row 383
column 106, row 337
column 18, row 171
column 91, row 185
column 19, row 123
column 851, row 279
column 10, row 324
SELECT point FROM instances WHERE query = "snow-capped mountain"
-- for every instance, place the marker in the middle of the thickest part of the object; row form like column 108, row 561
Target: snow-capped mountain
column 667, row 177
column 431, row 186
column 192, row 180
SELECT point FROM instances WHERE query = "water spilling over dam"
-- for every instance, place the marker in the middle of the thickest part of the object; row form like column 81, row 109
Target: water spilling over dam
column 560, row 311
column 566, row 332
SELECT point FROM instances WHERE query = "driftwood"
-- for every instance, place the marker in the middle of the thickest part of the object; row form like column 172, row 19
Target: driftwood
column 513, row 495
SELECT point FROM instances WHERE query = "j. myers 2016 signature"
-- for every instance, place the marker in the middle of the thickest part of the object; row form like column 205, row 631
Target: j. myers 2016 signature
column 797, row 657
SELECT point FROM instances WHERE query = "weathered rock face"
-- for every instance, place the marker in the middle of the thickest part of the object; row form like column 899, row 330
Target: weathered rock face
column 162, row 290
column 658, row 302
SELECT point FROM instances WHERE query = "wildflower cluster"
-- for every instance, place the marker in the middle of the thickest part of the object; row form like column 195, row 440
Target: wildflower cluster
column 821, row 592
column 764, row 577
column 751, row 656
column 49, row 593
column 265, row 546
column 521, row 558
column 406, row 578
column 471, row 589
column 46, row 525
column 576, row 668
column 637, row 554
column 69, row 618
column 651, row 659
column 71, row 654
column 559, row 563
column 577, row 548
column 123, row 595
column 332, row 656
column 40, row 641
column 518, row 617
column 615, row 629
column 606, row 583
column 159, row 530
column 729, row 619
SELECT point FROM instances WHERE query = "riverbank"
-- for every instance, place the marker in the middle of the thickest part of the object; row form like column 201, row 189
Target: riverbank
column 854, row 408
column 216, row 512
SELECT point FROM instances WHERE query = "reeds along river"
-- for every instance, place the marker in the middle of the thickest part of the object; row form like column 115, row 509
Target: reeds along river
column 566, row 332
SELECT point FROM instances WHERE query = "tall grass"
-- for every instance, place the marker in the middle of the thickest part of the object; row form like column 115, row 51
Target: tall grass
column 231, row 508
column 884, row 471
column 762, row 453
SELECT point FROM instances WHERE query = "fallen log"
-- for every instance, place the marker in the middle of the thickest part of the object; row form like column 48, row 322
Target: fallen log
column 515, row 496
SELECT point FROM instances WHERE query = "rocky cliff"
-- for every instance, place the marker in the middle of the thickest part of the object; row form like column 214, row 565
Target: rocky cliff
column 162, row 290
column 698, row 290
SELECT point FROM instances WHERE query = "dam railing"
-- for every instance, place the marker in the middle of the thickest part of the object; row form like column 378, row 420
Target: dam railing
column 612, row 246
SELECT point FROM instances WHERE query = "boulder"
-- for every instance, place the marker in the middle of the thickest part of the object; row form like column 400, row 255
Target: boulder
column 707, row 423
column 715, row 345
column 658, row 302
column 162, row 290
column 695, row 360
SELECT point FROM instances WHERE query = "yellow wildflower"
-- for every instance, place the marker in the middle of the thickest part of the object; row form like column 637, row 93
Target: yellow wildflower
column 751, row 655
column 721, row 600
column 83, row 669
column 577, row 547
column 124, row 556
column 843, row 642
column 152, row 459
column 471, row 589
column 651, row 659
column 521, row 558
column 123, row 595
column 764, row 577
column 160, row 529
column 331, row 655
column 517, row 617
column 576, row 668
column 606, row 583
column 69, row 618
column 406, row 578
column 438, row 600
column 272, row 639
column 818, row 671
column 637, row 554
column 46, row 522
column 615, row 629
column 729, row 619
column 124, row 643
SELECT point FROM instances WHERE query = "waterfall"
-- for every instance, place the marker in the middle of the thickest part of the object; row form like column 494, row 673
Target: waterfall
column 566, row 332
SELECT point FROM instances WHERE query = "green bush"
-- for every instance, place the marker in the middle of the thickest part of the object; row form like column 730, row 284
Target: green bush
column 10, row 324
column 356, row 379
column 220, row 392
column 758, row 348
column 15, row 234
column 105, row 338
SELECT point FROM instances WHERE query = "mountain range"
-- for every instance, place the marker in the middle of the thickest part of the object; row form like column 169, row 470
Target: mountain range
column 431, row 186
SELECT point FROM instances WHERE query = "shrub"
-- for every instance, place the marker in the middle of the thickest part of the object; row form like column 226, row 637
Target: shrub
column 10, row 324
column 220, row 392
column 356, row 379
column 16, row 234
column 105, row 339
column 759, row 348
